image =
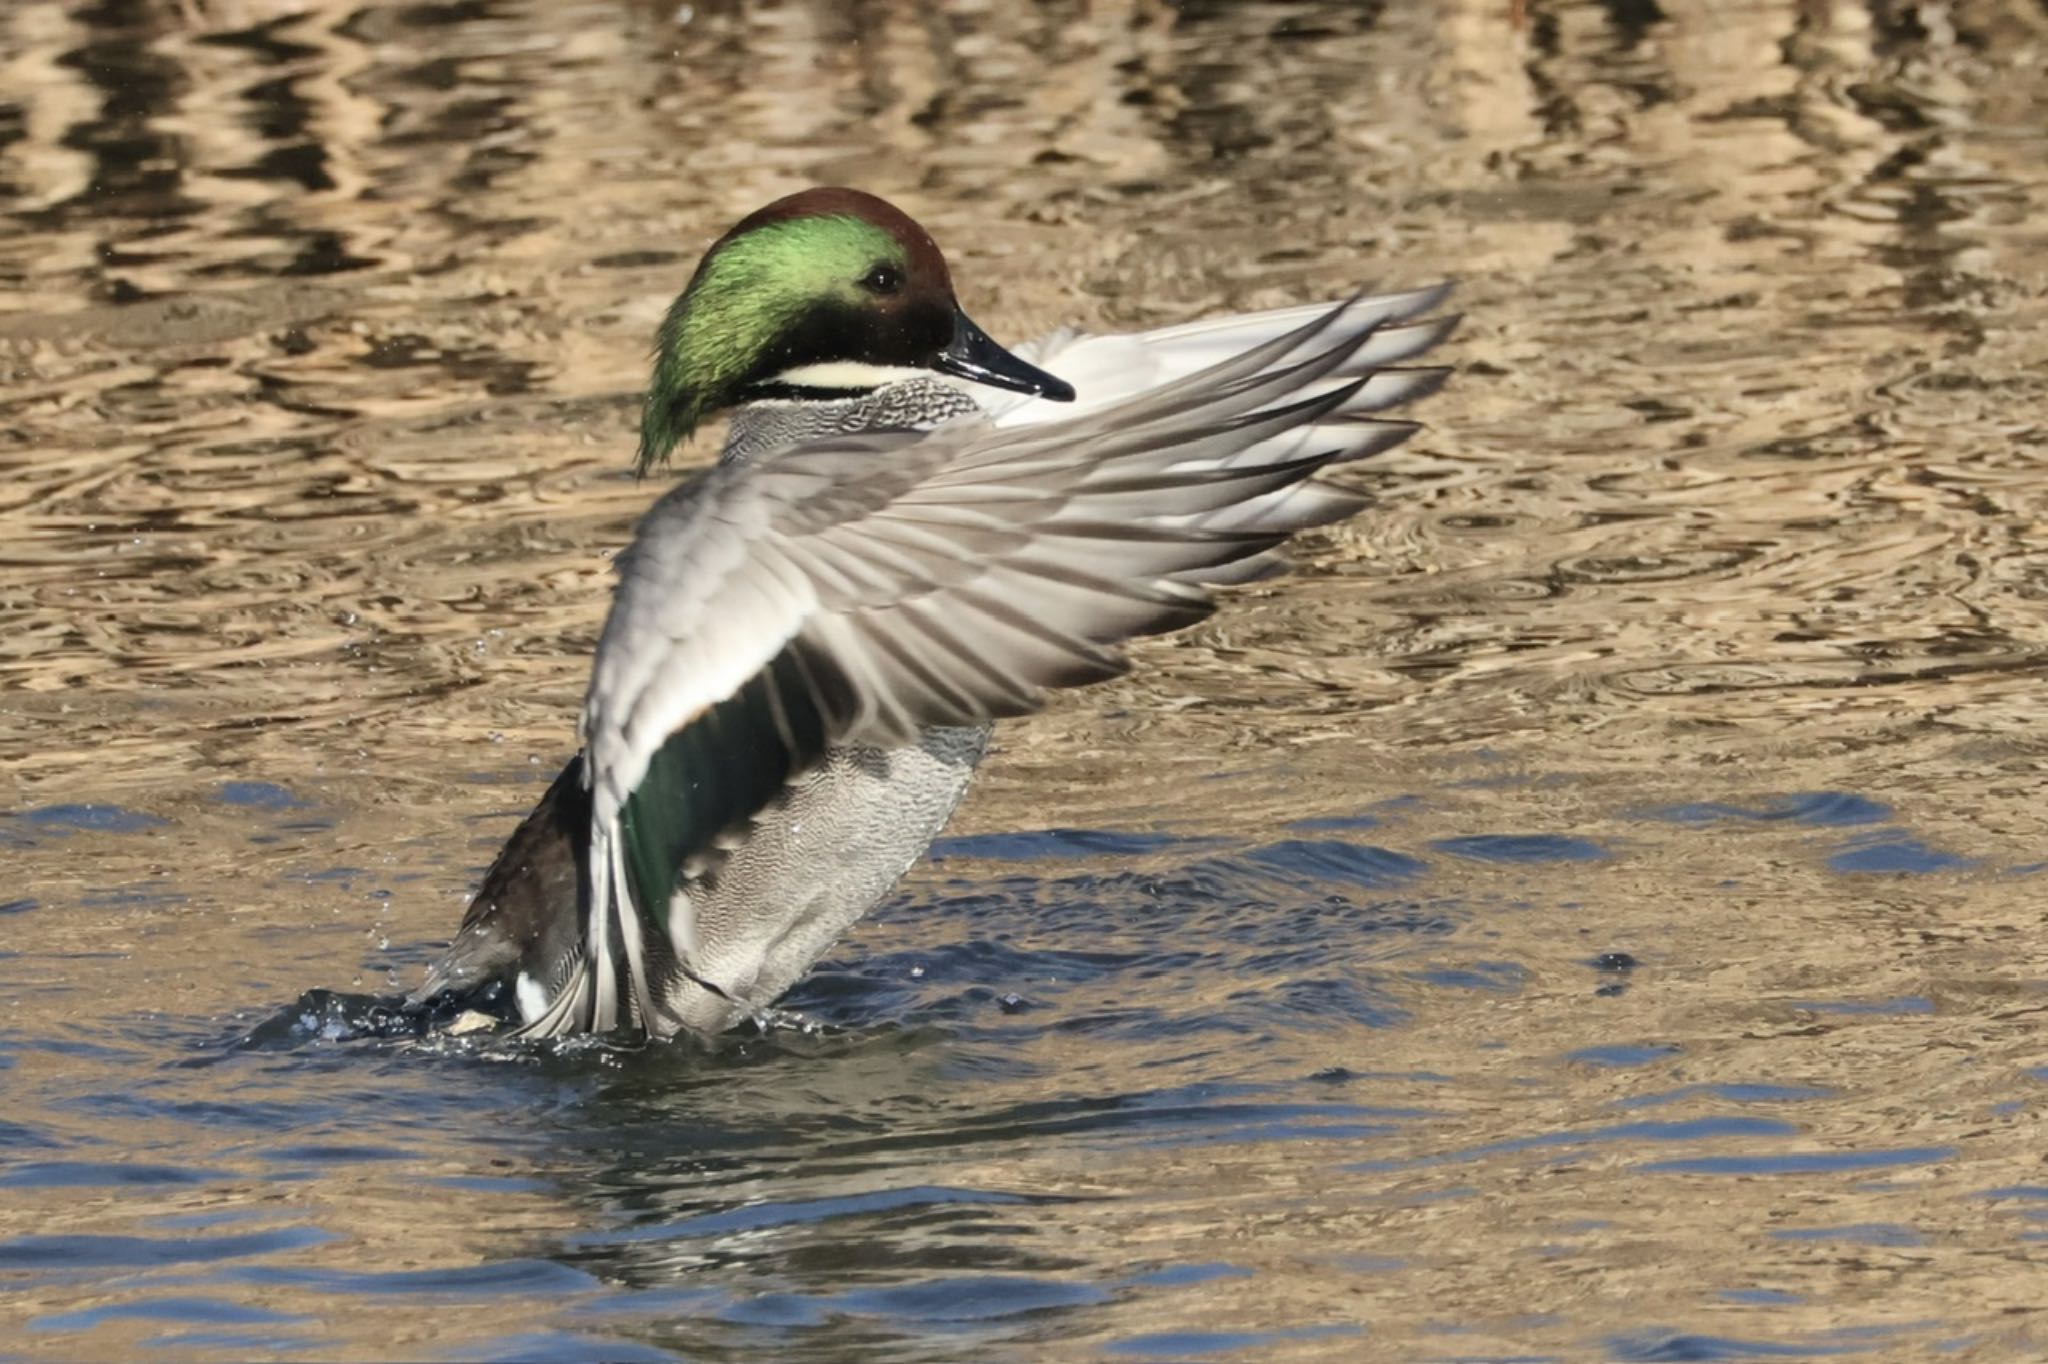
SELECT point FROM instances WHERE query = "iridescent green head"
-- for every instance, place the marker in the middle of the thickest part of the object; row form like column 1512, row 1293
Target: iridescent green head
column 821, row 294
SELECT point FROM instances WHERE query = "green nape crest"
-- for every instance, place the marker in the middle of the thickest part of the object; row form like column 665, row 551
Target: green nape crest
column 765, row 298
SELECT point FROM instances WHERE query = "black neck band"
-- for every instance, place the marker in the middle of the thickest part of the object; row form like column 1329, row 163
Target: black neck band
column 802, row 393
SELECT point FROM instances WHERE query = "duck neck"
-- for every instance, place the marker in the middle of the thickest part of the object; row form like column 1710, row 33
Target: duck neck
column 771, row 423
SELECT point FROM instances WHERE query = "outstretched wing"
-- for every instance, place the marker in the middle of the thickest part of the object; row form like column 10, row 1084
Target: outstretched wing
column 1108, row 367
column 862, row 588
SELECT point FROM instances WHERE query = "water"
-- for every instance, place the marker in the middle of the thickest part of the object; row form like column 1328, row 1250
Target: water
column 1590, row 913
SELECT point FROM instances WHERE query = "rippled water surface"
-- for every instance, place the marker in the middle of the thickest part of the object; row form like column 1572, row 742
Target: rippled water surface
column 1594, row 912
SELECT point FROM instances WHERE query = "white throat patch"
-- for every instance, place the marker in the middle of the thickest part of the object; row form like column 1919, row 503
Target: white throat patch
column 839, row 375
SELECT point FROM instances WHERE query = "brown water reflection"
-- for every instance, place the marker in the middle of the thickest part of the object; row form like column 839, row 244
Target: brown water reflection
column 322, row 337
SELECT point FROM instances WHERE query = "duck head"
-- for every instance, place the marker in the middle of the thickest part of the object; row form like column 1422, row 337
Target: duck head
column 821, row 294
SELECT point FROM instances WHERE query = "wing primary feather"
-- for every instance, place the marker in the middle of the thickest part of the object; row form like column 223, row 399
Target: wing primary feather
column 1183, row 432
column 1091, row 661
column 958, row 706
column 1190, row 451
column 1255, row 370
column 1010, row 696
column 1252, row 568
column 1385, row 388
column 1221, row 387
column 1142, row 590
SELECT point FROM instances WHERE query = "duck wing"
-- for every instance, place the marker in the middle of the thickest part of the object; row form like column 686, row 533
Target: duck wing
column 1108, row 367
column 862, row 588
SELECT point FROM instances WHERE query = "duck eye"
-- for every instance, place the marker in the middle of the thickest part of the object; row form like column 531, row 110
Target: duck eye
column 882, row 278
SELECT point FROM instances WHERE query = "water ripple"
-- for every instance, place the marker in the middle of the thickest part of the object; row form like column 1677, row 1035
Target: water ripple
column 1641, row 786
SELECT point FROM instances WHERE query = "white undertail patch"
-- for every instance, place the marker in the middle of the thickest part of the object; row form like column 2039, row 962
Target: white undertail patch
column 532, row 999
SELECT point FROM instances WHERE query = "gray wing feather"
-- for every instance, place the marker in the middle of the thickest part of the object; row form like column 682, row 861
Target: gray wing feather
column 1004, row 540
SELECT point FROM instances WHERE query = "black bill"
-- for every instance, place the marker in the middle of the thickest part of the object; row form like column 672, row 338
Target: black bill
column 974, row 356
